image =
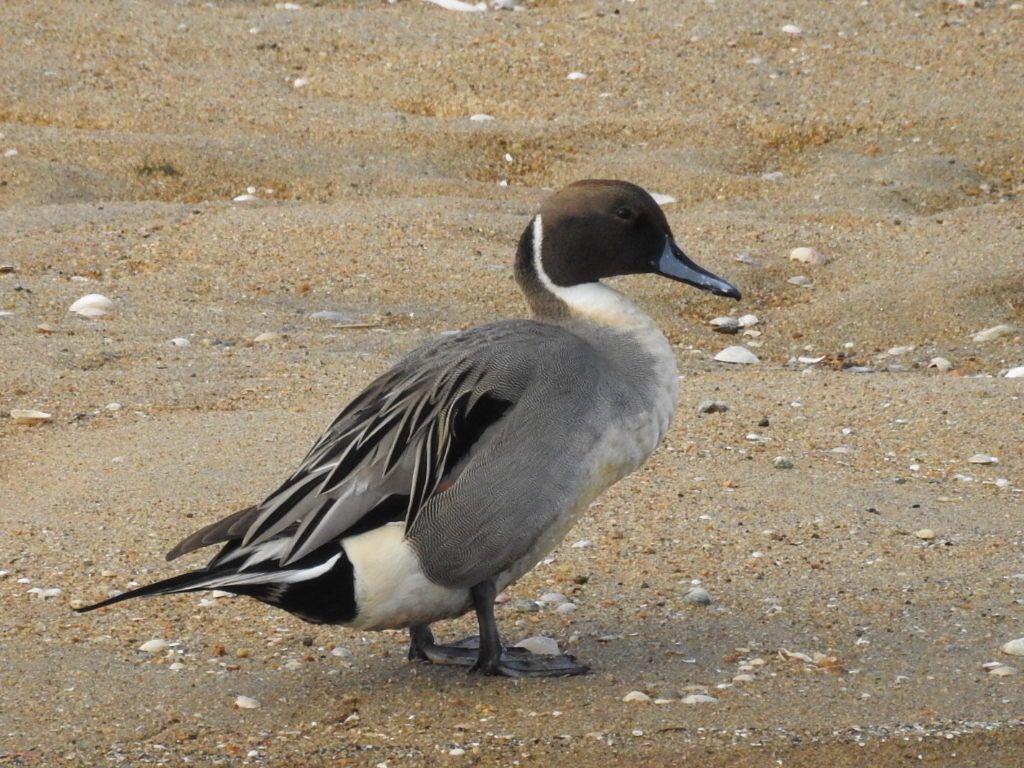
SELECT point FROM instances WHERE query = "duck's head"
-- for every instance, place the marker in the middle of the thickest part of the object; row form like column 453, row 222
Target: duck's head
column 598, row 228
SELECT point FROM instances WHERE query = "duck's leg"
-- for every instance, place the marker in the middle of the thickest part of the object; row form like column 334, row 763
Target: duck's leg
column 512, row 662
column 423, row 648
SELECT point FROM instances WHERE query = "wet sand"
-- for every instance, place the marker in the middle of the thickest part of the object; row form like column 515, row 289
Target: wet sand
column 896, row 131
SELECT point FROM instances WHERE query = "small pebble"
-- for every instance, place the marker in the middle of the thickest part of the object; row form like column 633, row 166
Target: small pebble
column 925, row 534
column 246, row 198
column 782, row 462
column 745, row 678
column 802, row 280
column 266, row 337
column 990, row 334
column 808, row 256
column 176, row 666
column 981, row 458
column 92, row 305
column 481, row 118
column 6, row 269
column 457, row 752
column 738, row 355
column 552, row 597
column 246, row 702
column 1016, row 373
column 1014, row 647
column 156, row 645
column 582, row 544
column 940, row 364
column 576, row 76
column 712, row 406
column 726, row 324
column 699, row 698
column 180, row 341
column 566, row 608
column 636, row 696
column 540, row 645
column 697, row 596
column 341, row 652
column 330, row 316
column 1003, row 670
column 662, row 199
column 525, row 606
column 300, row 82
column 791, row 29
column 748, row 321
column 748, row 259
column 30, row 417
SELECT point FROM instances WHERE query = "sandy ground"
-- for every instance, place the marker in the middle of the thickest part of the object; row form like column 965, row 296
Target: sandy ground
column 891, row 133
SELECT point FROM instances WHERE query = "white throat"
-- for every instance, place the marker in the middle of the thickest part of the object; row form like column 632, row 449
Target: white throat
column 592, row 301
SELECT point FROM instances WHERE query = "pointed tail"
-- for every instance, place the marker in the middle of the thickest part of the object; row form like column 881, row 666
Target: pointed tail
column 185, row 582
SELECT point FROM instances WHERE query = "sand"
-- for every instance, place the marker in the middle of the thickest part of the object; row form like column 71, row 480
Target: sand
column 896, row 131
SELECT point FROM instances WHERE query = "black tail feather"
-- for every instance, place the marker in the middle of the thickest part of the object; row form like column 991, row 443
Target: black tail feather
column 185, row 582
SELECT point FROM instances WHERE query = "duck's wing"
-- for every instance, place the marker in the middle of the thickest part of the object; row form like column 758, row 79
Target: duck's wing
column 401, row 441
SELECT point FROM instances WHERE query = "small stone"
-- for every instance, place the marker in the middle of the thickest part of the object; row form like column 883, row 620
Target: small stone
column 266, row 337
column 661, row 198
column 802, row 280
column 940, row 364
column 699, row 698
column 481, row 118
column 7, row 269
column 582, row 544
column 300, row 82
column 156, row 645
column 712, row 406
column 782, row 462
column 243, row 653
column 744, row 678
column 540, row 645
column 576, row 76
column 566, row 608
column 808, row 256
column 180, row 341
column 30, row 417
column 1014, row 647
column 636, row 696
column 697, row 596
column 726, row 324
column 990, row 334
column 925, row 534
column 293, row 664
column 176, row 666
column 246, row 702
column 748, row 259
column 981, row 458
column 552, row 597
column 791, row 29
column 1003, row 670
column 246, row 198
column 525, row 606
column 330, row 316
column 457, row 752
column 738, row 355
column 341, row 652
column 1016, row 373
column 748, row 321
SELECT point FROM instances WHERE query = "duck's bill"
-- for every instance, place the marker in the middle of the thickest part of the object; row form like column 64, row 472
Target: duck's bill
column 677, row 265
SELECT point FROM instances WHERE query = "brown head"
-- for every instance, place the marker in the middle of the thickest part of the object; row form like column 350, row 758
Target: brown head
column 595, row 229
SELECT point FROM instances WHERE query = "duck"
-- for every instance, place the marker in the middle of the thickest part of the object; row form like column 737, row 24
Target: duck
column 459, row 469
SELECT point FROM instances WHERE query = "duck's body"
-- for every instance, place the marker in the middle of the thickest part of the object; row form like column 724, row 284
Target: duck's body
column 463, row 466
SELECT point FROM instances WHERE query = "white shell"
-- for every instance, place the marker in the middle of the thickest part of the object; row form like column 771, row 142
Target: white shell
column 636, row 696
column 576, row 76
column 925, row 534
column 480, row 117
column 981, row 458
column 154, row 646
column 458, row 5
column 300, row 82
column 748, row 259
column 791, row 29
column 1014, row 647
column 246, row 702
column 661, row 198
column 1016, row 373
column 748, row 321
column 808, row 256
column 1003, row 670
column 726, row 324
column 810, row 360
column 802, row 280
column 92, row 305
column 698, row 698
column 30, row 417
column 940, row 363
column 180, row 341
column 740, row 355
column 246, row 198
column 992, row 333
column 540, row 645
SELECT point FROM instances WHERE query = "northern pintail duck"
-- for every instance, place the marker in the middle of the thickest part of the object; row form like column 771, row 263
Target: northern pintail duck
column 459, row 469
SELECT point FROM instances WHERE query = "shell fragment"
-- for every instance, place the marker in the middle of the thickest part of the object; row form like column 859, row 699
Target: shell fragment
column 92, row 305
column 29, row 417
column 738, row 355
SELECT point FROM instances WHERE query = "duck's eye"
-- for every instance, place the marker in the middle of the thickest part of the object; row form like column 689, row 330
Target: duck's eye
column 626, row 214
